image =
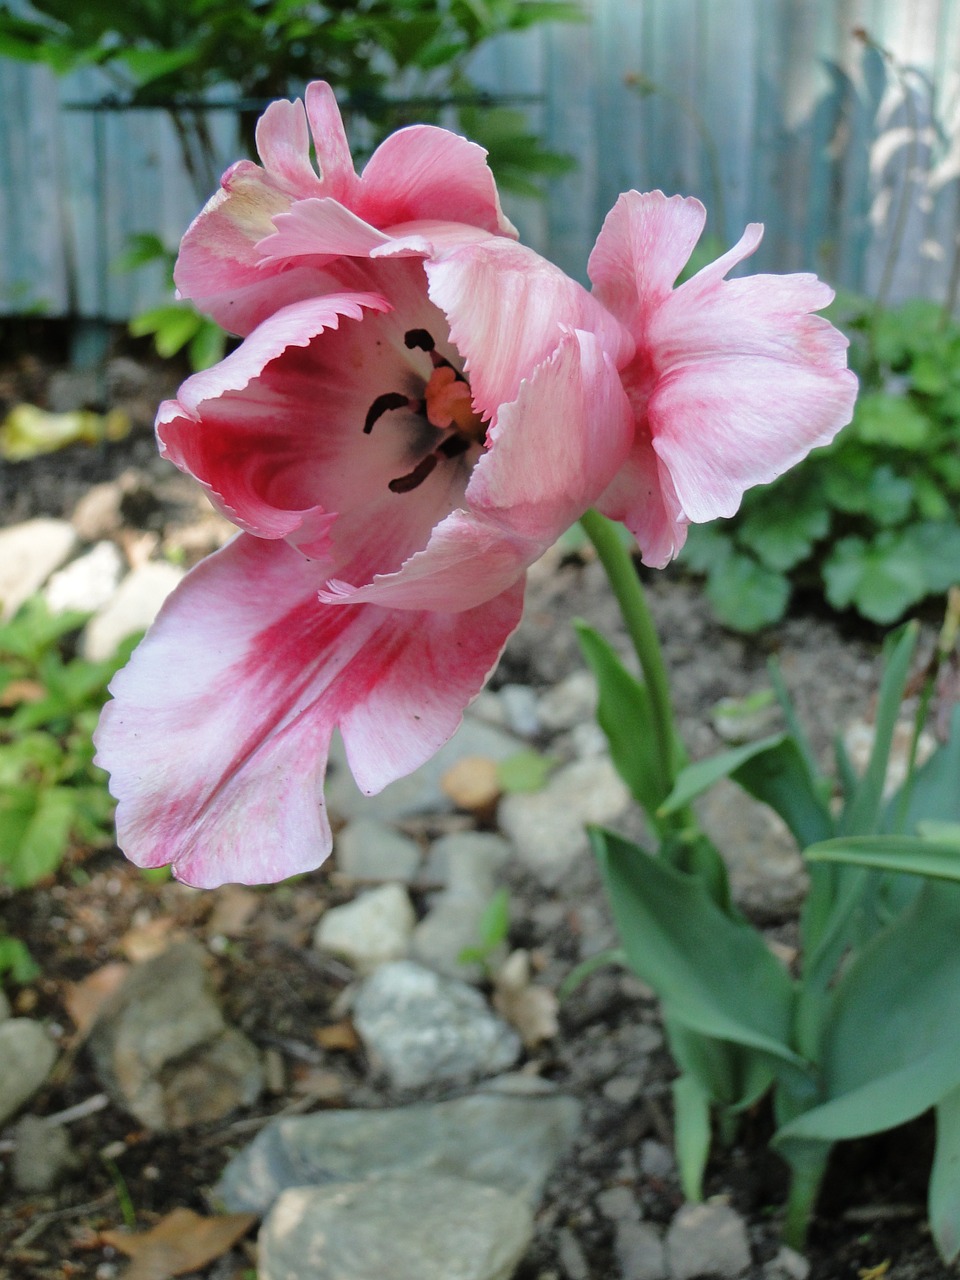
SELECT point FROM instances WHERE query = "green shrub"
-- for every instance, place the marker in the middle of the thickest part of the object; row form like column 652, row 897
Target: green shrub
column 871, row 521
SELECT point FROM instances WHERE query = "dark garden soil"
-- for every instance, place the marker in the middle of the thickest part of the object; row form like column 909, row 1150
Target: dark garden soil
column 870, row 1222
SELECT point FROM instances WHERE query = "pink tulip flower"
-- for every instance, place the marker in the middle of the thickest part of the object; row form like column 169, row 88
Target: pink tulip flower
column 419, row 407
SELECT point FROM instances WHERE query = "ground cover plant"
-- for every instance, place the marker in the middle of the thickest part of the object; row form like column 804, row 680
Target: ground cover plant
column 869, row 522
column 52, row 796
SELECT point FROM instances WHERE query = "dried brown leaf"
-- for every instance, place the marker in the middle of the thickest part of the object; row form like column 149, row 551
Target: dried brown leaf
column 84, row 1000
column 180, row 1242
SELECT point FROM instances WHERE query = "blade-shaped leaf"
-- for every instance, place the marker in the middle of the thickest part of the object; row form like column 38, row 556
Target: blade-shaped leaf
column 911, row 855
column 713, row 974
column 861, row 816
column 624, row 715
column 691, row 1111
column 935, row 793
column 891, row 1044
column 774, row 772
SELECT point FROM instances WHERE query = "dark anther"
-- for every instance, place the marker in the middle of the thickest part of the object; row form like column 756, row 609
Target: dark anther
column 419, row 339
column 453, row 446
column 403, row 484
column 389, row 400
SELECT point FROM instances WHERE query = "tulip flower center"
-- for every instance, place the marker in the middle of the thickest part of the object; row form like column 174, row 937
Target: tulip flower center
column 446, row 405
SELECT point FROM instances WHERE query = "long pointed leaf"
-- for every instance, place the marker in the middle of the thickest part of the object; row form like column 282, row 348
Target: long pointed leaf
column 714, row 974
column 625, row 716
column 910, row 855
column 774, row 772
column 891, row 1045
column 862, row 815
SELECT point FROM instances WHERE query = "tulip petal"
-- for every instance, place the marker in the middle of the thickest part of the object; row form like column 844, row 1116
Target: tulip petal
column 217, row 735
column 643, row 498
column 283, row 144
column 497, row 288
column 722, row 426
column 319, row 228
column 425, row 172
column 645, row 242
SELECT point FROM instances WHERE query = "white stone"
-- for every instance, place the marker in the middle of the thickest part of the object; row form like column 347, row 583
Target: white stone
column 88, row 582
column 571, row 702
column 547, row 827
column 134, row 606
column 27, row 1055
column 707, row 1239
column 29, row 553
column 422, row 1028
column 370, row 850
column 373, row 929
column 406, row 1227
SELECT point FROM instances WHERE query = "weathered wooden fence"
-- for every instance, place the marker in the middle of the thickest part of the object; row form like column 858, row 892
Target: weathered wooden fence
column 769, row 110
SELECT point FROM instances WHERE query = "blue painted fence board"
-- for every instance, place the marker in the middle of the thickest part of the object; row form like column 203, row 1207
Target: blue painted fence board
column 768, row 110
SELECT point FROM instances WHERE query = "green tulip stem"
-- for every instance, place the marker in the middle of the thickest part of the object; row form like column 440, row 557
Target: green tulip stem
column 622, row 576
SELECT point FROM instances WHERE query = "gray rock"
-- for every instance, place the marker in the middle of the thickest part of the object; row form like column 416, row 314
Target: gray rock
column 505, row 1139
column 27, row 1054
column 619, row 1204
column 707, row 1239
column 787, row 1265
column 571, row 702
column 373, row 929
column 88, row 582
column 132, row 608
column 441, row 936
column 29, row 553
column 520, row 706
column 547, row 827
column 767, row 872
column 467, row 862
column 420, row 1227
column 69, row 389
column 639, row 1251
column 42, row 1155
column 97, row 514
column 163, row 1050
column 421, row 1028
column 656, row 1159
column 571, row 1255
column 370, row 850
column 421, row 791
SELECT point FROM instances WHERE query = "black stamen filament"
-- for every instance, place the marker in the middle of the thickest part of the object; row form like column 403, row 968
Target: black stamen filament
column 451, row 447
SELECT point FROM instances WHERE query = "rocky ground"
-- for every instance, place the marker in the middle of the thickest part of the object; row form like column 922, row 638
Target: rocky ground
column 315, row 1056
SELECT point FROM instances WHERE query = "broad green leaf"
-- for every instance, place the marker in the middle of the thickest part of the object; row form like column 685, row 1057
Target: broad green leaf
column 944, row 1192
column 855, row 484
column 781, row 536
column 910, row 855
column 16, row 960
column 891, row 420
column 745, row 594
column 774, row 772
column 937, row 542
column 706, row 546
column 44, row 838
column 891, row 1045
column 713, row 974
column 624, row 715
column 881, row 578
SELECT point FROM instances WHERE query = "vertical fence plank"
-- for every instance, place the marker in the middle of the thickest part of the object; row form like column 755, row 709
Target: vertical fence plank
column 768, row 110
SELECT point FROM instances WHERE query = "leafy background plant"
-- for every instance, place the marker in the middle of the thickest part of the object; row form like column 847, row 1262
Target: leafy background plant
column 872, row 522
column 392, row 63
column 52, row 796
